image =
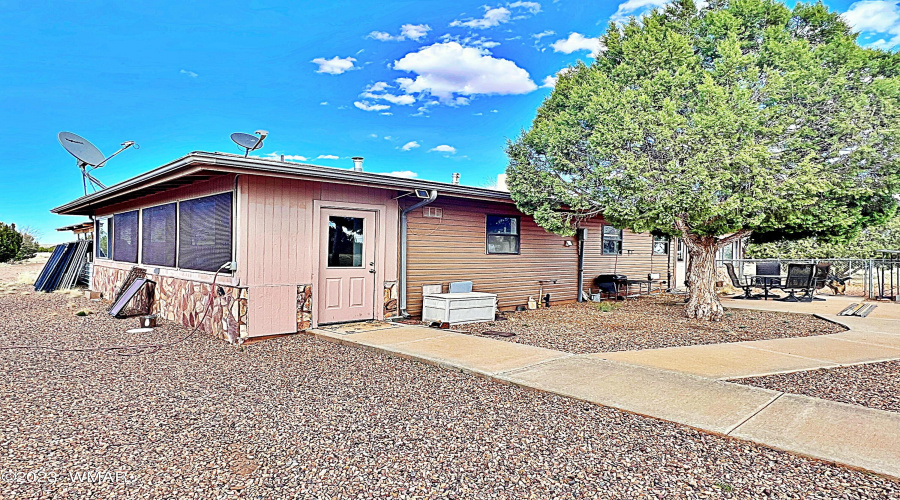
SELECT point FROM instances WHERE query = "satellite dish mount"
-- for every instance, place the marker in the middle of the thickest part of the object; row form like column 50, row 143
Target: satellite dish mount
column 88, row 157
column 249, row 142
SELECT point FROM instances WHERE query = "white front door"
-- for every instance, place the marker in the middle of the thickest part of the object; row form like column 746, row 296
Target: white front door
column 346, row 266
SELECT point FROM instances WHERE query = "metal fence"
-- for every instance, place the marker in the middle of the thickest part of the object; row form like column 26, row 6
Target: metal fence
column 871, row 278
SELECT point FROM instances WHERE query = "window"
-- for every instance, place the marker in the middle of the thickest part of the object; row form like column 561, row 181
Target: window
column 158, row 232
column 102, row 238
column 660, row 245
column 125, row 236
column 204, row 232
column 502, row 234
column 612, row 241
column 345, row 241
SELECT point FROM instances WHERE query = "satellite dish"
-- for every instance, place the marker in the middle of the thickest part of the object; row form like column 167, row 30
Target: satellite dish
column 81, row 149
column 87, row 155
column 249, row 142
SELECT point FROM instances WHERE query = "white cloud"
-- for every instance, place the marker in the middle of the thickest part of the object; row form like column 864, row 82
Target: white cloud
column 446, row 69
column 577, row 41
column 407, row 32
column 189, row 73
column 402, row 100
column 323, row 103
column 532, row 7
column 328, row 157
column 382, row 36
column 492, row 17
column 406, row 174
column 386, row 113
column 542, row 34
column 550, row 80
column 415, row 31
column 637, row 8
column 879, row 17
column 279, row 156
column 377, row 87
column 443, row 148
column 367, row 106
column 335, row 65
column 410, row 145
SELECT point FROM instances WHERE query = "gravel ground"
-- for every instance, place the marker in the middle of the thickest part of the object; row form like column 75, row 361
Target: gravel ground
column 874, row 385
column 301, row 418
column 644, row 323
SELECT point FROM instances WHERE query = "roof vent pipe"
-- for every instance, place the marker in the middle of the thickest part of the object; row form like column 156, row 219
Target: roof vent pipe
column 357, row 163
column 456, row 177
column 403, row 243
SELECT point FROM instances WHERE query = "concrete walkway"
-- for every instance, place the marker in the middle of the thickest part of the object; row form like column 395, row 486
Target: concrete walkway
column 851, row 435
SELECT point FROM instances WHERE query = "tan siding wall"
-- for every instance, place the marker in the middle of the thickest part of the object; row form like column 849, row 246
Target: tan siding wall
column 637, row 259
column 453, row 249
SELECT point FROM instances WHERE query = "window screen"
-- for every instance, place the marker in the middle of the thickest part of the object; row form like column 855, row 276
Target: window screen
column 502, row 234
column 612, row 241
column 125, row 236
column 158, row 231
column 102, row 237
column 204, row 229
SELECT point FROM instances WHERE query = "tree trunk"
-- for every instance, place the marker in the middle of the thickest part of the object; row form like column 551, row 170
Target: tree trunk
column 704, row 302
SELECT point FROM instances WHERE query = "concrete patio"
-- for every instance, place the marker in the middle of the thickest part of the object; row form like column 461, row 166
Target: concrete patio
column 684, row 384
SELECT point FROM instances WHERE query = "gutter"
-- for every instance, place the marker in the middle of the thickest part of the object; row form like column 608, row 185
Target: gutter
column 403, row 251
column 582, row 239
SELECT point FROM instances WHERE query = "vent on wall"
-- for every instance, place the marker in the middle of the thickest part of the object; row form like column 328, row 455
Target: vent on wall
column 434, row 212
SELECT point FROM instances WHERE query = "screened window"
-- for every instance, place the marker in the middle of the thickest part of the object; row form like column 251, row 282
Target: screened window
column 158, row 232
column 204, row 229
column 102, row 237
column 660, row 245
column 612, row 241
column 502, row 234
column 125, row 236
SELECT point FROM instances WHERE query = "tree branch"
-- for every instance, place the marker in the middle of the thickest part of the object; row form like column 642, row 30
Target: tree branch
column 743, row 233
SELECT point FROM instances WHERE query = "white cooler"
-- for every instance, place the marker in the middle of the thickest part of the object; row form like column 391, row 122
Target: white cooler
column 457, row 308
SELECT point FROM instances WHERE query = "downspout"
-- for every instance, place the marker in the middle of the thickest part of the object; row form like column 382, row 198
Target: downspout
column 581, row 234
column 403, row 240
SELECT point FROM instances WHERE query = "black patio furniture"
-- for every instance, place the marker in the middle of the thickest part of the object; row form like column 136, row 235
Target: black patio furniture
column 610, row 284
column 800, row 278
column 768, row 274
column 823, row 270
column 736, row 282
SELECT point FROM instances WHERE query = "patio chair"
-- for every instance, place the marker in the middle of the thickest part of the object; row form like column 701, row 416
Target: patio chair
column 771, row 268
column 823, row 270
column 800, row 278
column 736, row 282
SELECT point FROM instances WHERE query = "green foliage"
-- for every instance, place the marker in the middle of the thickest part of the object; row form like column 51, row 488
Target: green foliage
column 865, row 245
column 606, row 306
column 10, row 242
column 743, row 116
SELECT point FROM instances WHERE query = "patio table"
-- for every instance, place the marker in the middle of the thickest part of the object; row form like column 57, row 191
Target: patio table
column 640, row 284
column 768, row 281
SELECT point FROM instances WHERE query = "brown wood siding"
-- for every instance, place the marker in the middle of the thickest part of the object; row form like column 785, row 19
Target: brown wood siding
column 636, row 261
column 452, row 248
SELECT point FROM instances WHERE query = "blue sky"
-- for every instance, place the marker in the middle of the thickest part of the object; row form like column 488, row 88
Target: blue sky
column 419, row 88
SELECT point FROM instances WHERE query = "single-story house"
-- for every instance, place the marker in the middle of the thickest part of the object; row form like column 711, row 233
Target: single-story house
column 297, row 245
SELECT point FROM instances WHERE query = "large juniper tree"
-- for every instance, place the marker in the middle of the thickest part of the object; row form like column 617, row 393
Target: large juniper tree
column 712, row 124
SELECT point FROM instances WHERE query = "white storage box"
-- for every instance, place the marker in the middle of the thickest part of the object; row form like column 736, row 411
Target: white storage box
column 458, row 308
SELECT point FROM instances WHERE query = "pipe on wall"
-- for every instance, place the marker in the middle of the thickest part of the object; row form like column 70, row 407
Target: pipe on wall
column 432, row 195
column 581, row 233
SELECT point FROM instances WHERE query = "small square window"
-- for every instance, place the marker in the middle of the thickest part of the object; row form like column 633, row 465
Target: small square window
column 612, row 241
column 660, row 245
column 502, row 234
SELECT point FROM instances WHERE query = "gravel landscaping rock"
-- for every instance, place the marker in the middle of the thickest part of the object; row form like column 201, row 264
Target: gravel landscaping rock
column 875, row 385
column 644, row 323
column 296, row 417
